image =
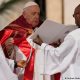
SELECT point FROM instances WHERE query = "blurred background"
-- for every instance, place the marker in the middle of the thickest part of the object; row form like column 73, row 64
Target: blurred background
column 60, row 11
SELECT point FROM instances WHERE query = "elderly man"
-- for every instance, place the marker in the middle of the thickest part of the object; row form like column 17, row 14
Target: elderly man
column 29, row 20
column 16, row 34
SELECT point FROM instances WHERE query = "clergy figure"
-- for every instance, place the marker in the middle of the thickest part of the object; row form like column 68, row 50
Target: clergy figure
column 14, row 38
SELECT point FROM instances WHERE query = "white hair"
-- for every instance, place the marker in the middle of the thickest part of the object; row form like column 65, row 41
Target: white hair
column 30, row 3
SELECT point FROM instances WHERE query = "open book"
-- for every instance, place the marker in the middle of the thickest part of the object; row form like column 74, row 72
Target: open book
column 51, row 31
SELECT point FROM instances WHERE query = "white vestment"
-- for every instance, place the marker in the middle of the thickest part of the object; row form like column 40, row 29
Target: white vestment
column 64, row 59
column 5, row 70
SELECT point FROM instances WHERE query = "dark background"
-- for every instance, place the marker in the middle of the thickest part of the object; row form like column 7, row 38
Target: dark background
column 42, row 5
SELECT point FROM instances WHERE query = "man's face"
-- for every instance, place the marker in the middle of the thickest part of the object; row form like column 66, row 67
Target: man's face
column 76, row 15
column 32, row 15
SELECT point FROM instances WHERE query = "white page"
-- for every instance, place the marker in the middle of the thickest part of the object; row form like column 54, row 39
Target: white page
column 51, row 31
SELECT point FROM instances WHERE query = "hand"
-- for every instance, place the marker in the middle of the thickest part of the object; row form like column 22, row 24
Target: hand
column 21, row 63
column 38, row 40
column 56, row 43
column 9, row 41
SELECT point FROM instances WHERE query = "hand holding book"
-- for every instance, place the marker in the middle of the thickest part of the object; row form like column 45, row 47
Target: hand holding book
column 38, row 40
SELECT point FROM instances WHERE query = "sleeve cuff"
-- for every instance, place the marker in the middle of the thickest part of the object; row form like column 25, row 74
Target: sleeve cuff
column 43, row 45
column 46, row 46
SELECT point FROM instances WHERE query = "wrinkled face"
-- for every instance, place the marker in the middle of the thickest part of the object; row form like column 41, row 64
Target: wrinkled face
column 76, row 15
column 32, row 15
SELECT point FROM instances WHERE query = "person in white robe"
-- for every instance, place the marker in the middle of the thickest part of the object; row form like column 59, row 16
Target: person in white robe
column 64, row 59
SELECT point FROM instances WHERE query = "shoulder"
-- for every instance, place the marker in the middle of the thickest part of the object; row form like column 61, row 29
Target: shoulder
column 75, row 34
